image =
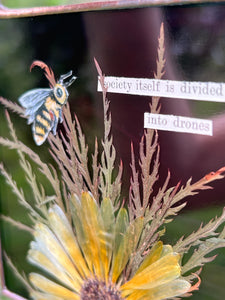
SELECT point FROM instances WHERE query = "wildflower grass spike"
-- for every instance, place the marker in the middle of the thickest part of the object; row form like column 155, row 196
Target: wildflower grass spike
column 109, row 187
column 3, row 289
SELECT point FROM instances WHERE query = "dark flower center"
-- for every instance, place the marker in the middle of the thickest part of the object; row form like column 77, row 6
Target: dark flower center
column 93, row 289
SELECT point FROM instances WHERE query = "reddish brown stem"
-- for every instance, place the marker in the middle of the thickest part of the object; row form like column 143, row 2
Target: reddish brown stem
column 90, row 6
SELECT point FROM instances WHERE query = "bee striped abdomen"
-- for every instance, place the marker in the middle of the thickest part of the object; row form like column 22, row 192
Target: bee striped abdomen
column 41, row 119
column 42, row 125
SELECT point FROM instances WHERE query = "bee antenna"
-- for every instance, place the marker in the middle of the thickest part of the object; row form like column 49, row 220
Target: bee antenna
column 48, row 71
column 70, row 81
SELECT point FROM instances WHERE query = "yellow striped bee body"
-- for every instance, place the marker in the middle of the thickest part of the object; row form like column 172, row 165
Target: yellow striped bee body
column 44, row 106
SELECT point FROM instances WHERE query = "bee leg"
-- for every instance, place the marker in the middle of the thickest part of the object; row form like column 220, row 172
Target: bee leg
column 54, row 126
column 60, row 116
column 31, row 119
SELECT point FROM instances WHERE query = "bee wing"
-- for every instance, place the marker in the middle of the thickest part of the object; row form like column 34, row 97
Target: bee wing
column 32, row 101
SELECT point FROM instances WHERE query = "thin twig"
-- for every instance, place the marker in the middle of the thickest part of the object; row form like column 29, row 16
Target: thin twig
column 92, row 6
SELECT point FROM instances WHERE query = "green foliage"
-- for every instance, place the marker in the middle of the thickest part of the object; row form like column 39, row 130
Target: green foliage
column 32, row 3
column 37, row 3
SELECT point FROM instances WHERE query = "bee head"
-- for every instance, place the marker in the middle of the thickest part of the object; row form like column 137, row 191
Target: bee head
column 60, row 89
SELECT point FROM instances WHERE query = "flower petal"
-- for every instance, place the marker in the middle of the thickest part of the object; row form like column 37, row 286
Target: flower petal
column 39, row 259
column 108, row 217
column 174, row 288
column 43, row 296
column 48, row 244
column 127, row 246
column 52, row 288
column 160, row 272
column 91, row 234
column 153, row 256
column 63, row 231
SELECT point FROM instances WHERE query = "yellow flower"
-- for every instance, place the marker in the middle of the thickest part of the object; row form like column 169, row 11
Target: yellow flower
column 88, row 260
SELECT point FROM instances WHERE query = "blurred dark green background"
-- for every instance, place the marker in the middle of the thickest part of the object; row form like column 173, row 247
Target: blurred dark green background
column 34, row 3
column 195, row 42
column 25, row 3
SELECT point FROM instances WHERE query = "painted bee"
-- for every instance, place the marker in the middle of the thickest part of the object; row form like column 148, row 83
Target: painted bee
column 44, row 106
